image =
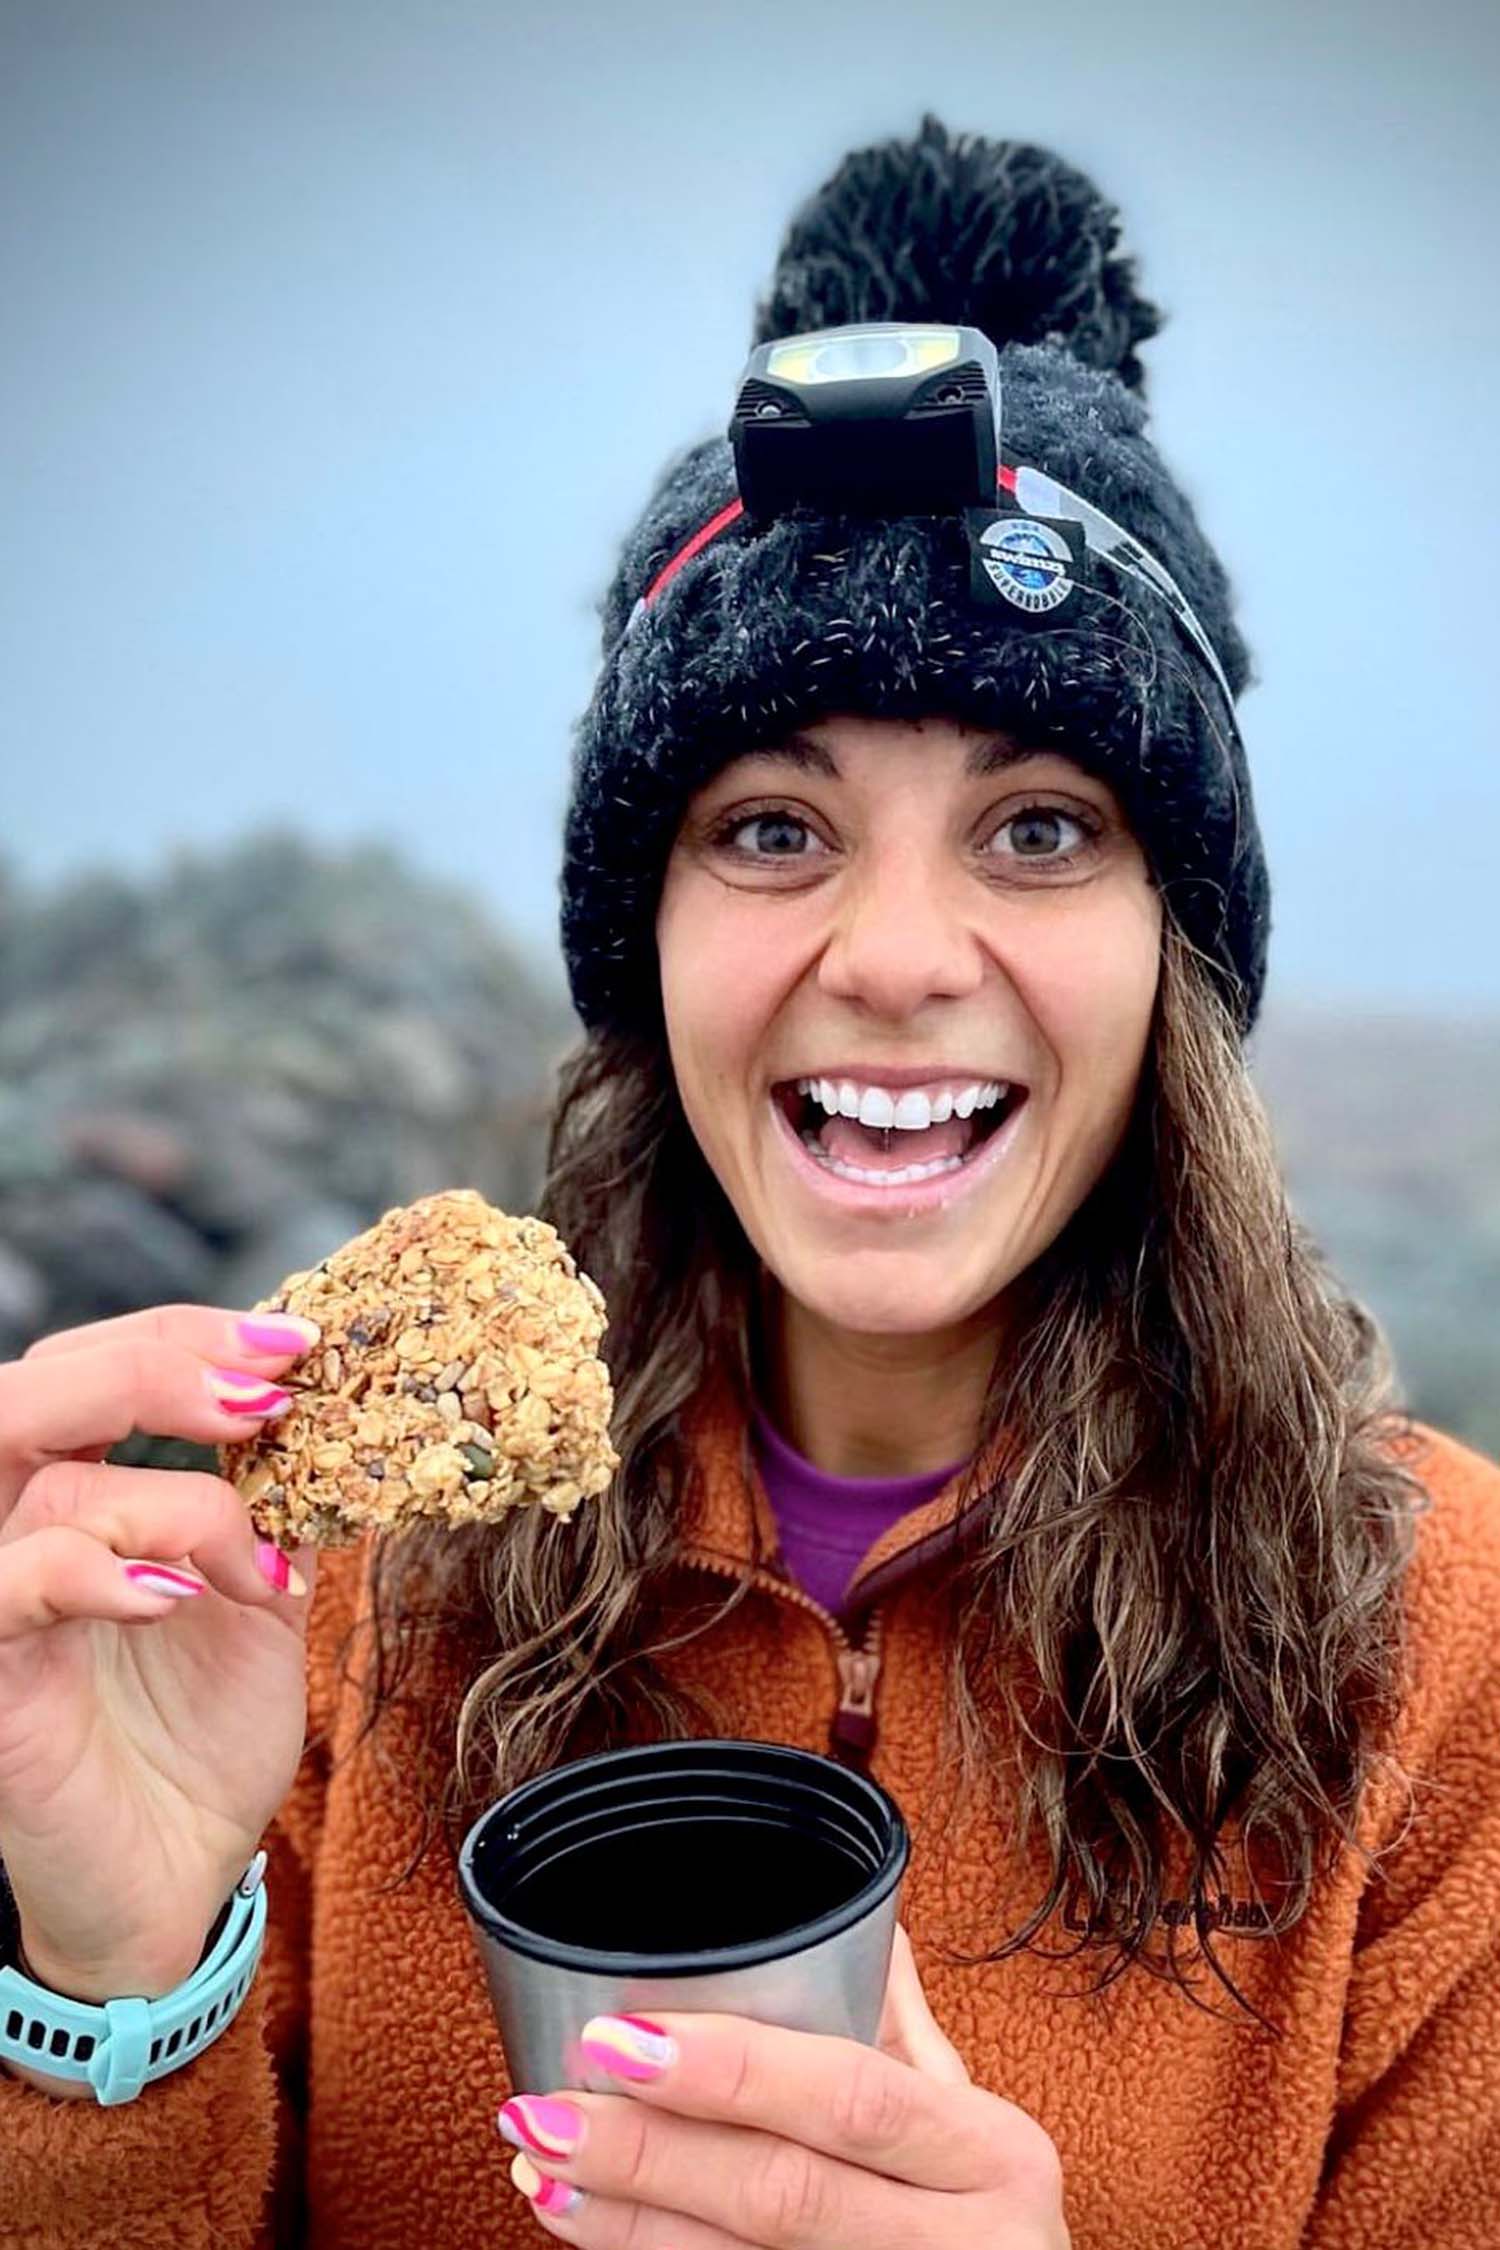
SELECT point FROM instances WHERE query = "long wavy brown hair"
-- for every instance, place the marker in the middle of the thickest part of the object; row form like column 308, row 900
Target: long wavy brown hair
column 1180, row 1608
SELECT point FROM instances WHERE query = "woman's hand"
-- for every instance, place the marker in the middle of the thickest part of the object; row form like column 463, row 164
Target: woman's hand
column 152, row 1698
column 738, row 2134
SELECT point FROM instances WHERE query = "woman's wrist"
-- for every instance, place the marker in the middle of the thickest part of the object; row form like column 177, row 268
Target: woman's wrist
column 93, row 1991
column 93, row 1988
column 125, row 1981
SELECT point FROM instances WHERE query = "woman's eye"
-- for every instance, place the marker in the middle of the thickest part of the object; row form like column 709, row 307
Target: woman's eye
column 769, row 835
column 1041, row 832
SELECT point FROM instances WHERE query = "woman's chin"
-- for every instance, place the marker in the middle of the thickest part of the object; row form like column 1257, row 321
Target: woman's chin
column 901, row 1301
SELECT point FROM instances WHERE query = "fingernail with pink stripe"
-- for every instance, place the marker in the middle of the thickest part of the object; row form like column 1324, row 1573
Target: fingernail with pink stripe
column 629, row 2047
column 246, row 1394
column 278, row 1569
column 277, row 1333
column 555, row 2197
column 159, row 1578
column 547, row 2128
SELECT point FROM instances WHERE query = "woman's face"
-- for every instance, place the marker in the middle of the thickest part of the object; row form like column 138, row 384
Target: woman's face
column 957, row 939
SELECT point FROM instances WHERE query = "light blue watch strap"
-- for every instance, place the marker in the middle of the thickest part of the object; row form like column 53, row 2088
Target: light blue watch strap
column 125, row 2044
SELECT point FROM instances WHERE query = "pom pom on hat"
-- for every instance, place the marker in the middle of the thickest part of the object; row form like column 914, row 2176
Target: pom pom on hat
column 997, row 235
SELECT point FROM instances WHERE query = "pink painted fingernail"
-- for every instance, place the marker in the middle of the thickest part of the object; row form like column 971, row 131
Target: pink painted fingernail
column 246, row 1394
column 555, row 2197
column 547, row 2128
column 159, row 1578
column 277, row 1332
column 628, row 2047
column 275, row 1566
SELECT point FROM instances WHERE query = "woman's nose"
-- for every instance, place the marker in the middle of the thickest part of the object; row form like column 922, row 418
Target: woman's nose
column 900, row 935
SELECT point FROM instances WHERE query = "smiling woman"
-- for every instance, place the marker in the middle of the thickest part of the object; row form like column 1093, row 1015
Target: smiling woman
column 982, row 1414
column 916, row 940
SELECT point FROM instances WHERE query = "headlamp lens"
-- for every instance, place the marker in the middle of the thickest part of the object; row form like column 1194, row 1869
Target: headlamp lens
column 850, row 358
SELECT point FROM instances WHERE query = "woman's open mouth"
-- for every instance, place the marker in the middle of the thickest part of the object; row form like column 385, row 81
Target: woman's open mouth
column 878, row 1137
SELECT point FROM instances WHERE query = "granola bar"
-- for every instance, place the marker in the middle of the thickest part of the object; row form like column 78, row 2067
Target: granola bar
column 456, row 1377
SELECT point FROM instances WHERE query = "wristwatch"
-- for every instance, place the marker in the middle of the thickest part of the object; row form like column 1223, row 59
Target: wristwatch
column 121, row 2046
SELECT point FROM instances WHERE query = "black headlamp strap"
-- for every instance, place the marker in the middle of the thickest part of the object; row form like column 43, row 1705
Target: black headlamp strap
column 1028, row 551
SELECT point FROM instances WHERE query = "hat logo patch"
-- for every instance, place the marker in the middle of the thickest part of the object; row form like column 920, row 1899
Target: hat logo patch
column 1027, row 562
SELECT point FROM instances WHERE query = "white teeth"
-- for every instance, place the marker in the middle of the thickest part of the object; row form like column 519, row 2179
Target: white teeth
column 876, row 1108
column 911, row 1112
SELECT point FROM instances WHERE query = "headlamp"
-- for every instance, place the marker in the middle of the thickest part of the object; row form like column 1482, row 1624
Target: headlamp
column 897, row 419
column 876, row 420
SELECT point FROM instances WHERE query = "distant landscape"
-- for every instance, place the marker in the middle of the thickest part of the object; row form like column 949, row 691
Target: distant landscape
column 214, row 1076
column 1389, row 1130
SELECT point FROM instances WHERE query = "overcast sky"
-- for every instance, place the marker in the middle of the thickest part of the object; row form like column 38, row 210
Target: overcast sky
column 342, row 342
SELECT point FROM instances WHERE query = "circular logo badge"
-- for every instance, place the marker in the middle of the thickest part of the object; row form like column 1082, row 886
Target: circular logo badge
column 1027, row 562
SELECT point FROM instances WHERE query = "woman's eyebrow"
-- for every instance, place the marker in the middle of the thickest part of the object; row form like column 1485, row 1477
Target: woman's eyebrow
column 801, row 751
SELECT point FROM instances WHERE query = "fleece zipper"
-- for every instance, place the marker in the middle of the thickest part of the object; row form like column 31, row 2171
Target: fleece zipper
column 854, row 1724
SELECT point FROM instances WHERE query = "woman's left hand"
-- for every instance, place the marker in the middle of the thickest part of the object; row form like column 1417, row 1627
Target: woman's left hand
column 737, row 2133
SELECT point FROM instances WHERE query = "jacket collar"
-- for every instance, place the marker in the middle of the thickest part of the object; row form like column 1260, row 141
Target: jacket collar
column 729, row 1519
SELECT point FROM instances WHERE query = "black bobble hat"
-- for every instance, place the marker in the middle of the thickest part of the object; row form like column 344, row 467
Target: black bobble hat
column 757, row 636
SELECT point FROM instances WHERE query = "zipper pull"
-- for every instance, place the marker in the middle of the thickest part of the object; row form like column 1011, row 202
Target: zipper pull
column 852, row 1735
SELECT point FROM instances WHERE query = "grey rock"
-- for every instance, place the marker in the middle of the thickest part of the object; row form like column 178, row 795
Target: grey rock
column 106, row 1248
column 23, row 1301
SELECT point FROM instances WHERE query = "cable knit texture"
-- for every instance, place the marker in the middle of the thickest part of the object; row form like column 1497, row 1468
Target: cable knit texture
column 351, row 2106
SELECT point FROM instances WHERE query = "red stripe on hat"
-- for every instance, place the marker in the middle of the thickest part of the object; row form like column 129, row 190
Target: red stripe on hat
column 1005, row 478
column 699, row 540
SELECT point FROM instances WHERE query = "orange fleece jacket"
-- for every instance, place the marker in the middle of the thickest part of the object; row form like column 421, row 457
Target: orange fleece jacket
column 351, row 2105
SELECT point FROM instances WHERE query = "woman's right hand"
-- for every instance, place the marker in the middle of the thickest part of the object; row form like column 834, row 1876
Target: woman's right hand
column 146, row 1740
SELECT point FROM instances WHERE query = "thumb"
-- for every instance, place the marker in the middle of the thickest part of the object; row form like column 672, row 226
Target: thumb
column 908, row 2029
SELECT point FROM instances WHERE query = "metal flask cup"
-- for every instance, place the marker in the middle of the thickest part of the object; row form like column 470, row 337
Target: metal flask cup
column 740, row 1877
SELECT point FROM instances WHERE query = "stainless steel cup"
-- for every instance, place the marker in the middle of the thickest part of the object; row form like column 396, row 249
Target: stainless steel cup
column 742, row 1877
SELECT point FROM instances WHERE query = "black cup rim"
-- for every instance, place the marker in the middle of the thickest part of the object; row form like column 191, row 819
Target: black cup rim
column 710, row 1961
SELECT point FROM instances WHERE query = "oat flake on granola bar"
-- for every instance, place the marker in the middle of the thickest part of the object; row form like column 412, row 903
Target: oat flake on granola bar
column 456, row 1377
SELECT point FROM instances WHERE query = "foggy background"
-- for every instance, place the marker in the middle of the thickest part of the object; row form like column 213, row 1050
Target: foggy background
column 342, row 344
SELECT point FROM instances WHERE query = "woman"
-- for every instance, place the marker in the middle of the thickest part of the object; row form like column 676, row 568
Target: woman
column 981, row 1414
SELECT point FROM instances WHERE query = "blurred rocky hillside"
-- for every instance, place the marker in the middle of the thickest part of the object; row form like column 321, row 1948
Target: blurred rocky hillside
column 211, row 1079
column 215, row 1078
